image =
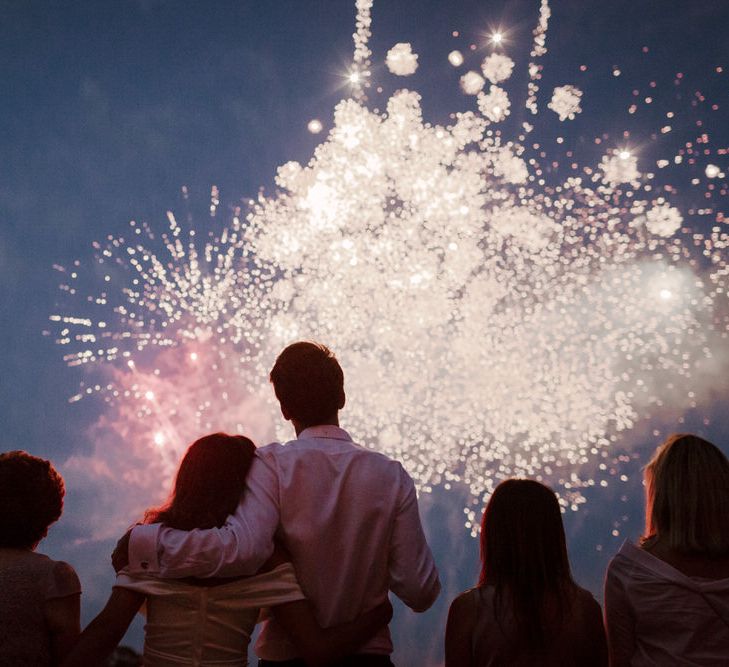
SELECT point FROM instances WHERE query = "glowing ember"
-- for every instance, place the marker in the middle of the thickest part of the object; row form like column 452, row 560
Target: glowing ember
column 472, row 83
column 455, row 58
column 566, row 102
column 315, row 126
column 712, row 171
column 663, row 220
column 620, row 168
column 401, row 60
column 494, row 105
column 497, row 67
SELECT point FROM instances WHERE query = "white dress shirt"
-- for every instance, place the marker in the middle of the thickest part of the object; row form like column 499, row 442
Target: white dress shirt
column 347, row 515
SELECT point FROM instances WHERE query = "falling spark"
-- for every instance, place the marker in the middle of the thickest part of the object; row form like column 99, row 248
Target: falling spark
column 538, row 50
column 315, row 126
column 455, row 58
column 712, row 171
column 497, row 67
column 359, row 76
column 566, row 102
column 472, row 83
column 401, row 60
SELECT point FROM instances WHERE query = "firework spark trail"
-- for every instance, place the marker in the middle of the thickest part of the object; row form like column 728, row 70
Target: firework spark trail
column 539, row 48
column 491, row 323
column 359, row 74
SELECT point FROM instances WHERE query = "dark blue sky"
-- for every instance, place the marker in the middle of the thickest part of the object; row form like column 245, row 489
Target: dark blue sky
column 109, row 108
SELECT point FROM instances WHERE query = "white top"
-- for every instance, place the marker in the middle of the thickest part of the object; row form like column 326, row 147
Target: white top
column 656, row 615
column 199, row 625
column 347, row 515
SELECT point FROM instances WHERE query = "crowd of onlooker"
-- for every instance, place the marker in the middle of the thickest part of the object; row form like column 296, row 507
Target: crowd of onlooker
column 201, row 566
column 666, row 599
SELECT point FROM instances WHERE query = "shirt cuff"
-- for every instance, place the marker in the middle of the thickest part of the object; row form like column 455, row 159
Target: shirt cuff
column 143, row 558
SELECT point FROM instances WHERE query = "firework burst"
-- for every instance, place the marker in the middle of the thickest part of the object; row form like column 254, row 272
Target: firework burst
column 494, row 316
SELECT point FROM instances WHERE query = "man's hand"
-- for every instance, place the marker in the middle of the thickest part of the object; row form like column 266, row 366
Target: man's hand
column 120, row 555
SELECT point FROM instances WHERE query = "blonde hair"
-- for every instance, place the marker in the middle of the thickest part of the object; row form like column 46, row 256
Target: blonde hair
column 687, row 497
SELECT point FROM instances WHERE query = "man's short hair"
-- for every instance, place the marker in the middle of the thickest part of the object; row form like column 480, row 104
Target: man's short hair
column 309, row 382
column 31, row 499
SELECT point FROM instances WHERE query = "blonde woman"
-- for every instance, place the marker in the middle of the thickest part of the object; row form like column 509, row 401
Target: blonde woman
column 667, row 600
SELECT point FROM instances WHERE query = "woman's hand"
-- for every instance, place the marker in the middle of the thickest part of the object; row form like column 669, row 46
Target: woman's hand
column 100, row 637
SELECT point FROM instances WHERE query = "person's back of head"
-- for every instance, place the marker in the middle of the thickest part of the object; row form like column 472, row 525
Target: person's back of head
column 209, row 483
column 31, row 499
column 687, row 497
column 524, row 555
column 309, row 383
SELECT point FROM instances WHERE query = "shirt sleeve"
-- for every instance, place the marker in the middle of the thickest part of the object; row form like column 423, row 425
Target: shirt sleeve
column 268, row 589
column 239, row 547
column 63, row 581
column 413, row 575
column 619, row 619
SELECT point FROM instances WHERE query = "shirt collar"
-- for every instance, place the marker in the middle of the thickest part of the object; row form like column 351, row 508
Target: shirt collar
column 325, row 431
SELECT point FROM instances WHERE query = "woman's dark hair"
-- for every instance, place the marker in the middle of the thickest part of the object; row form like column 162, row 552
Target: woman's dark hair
column 31, row 499
column 209, row 483
column 308, row 382
column 524, row 557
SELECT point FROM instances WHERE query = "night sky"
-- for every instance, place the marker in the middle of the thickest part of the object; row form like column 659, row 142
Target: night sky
column 109, row 109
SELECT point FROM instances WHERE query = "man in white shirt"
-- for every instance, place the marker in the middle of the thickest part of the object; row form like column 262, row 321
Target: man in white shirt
column 347, row 515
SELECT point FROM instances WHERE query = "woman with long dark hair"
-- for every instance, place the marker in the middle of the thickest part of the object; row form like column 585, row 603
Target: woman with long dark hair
column 667, row 600
column 209, row 622
column 526, row 609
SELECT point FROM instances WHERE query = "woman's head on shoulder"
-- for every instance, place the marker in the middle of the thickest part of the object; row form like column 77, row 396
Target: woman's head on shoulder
column 31, row 499
column 209, row 483
column 687, row 497
column 522, row 530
